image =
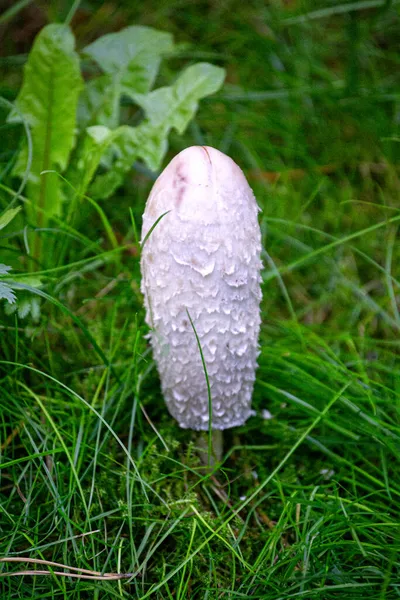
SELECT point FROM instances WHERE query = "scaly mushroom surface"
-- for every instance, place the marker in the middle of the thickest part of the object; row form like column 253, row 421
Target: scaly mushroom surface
column 203, row 259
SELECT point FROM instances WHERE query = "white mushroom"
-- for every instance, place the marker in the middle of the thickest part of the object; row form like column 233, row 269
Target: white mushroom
column 201, row 263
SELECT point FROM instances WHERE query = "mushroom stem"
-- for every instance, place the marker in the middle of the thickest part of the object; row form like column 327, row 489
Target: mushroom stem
column 217, row 446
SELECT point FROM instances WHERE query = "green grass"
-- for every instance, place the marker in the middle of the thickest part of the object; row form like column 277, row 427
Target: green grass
column 94, row 473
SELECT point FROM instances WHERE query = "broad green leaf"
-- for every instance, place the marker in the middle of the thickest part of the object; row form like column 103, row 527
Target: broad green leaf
column 125, row 151
column 8, row 216
column 105, row 185
column 48, row 101
column 99, row 103
column 132, row 55
column 165, row 108
column 151, row 143
column 92, row 151
column 131, row 143
column 175, row 106
column 93, row 146
column 130, row 60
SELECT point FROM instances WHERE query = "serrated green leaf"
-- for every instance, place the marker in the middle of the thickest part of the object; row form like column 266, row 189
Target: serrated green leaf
column 95, row 143
column 10, row 309
column 166, row 108
column 24, row 308
column 132, row 56
column 48, row 101
column 173, row 107
column 4, row 269
column 125, row 151
column 35, row 309
column 99, row 103
column 105, row 184
column 8, row 216
column 7, row 293
column 150, row 143
column 130, row 60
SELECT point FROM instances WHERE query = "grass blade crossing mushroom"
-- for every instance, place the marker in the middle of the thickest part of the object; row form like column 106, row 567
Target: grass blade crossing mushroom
column 203, row 259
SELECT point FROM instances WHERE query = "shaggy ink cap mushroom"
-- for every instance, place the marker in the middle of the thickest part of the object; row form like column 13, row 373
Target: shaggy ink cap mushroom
column 203, row 258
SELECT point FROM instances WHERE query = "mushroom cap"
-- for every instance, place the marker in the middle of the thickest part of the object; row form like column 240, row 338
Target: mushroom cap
column 203, row 258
